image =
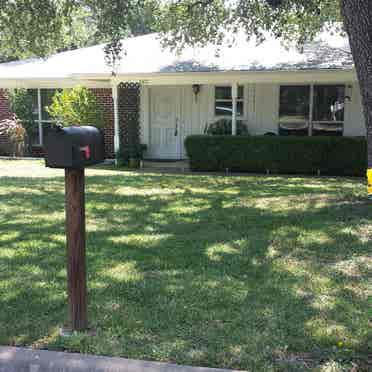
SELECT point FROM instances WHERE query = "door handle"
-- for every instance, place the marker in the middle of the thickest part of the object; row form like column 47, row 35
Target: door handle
column 176, row 128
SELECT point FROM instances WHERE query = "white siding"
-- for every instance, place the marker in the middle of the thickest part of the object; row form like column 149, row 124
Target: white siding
column 265, row 109
column 261, row 110
column 354, row 118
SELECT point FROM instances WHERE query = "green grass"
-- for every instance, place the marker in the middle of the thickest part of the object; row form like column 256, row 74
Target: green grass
column 256, row 273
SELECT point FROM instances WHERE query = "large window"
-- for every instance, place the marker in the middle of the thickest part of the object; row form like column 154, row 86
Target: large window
column 311, row 110
column 223, row 101
column 41, row 98
column 294, row 109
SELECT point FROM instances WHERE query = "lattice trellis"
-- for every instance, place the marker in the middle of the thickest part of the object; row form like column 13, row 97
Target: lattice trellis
column 129, row 113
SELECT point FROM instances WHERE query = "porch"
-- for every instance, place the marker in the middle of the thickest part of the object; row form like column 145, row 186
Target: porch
column 303, row 104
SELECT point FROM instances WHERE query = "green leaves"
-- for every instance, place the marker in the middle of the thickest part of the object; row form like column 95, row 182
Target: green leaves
column 77, row 106
column 193, row 22
column 41, row 27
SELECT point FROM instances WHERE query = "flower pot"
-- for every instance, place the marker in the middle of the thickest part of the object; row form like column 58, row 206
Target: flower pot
column 134, row 163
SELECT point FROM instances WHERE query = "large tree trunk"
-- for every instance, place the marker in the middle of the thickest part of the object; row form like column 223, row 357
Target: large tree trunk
column 357, row 16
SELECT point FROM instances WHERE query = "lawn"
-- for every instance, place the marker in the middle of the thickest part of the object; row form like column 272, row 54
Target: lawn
column 257, row 273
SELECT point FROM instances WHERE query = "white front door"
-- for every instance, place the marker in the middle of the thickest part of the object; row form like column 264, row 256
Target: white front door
column 165, row 131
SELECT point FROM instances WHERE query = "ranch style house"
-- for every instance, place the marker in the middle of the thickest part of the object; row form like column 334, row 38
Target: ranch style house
column 163, row 96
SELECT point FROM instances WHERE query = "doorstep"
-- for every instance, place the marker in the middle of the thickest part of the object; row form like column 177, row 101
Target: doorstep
column 164, row 165
column 14, row 359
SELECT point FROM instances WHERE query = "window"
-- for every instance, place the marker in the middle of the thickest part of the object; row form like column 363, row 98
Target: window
column 327, row 111
column 294, row 110
column 223, row 101
column 41, row 98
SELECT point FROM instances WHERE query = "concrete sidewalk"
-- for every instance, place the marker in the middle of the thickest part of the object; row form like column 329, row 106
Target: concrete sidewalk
column 13, row 359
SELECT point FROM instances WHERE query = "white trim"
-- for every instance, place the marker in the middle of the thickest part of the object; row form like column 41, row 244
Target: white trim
column 227, row 77
column 204, row 78
column 144, row 115
column 234, row 97
column 51, row 83
column 40, row 116
column 114, row 90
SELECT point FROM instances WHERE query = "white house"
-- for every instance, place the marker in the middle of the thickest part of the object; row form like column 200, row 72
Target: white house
column 271, row 88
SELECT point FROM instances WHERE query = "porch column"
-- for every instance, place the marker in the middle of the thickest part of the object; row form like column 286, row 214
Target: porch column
column 115, row 97
column 40, row 117
column 234, row 96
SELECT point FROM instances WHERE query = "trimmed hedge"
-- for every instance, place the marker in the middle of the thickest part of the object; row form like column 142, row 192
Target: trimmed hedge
column 346, row 156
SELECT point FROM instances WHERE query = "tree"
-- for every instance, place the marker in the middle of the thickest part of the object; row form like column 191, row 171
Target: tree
column 41, row 27
column 196, row 22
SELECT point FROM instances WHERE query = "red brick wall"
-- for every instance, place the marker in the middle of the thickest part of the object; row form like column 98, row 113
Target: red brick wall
column 104, row 99
column 4, row 106
column 4, row 114
column 128, row 114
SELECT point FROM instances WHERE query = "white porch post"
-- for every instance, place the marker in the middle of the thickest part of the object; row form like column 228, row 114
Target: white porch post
column 40, row 118
column 115, row 97
column 234, row 96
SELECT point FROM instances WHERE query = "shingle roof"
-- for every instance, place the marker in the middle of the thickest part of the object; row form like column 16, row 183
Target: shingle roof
column 144, row 54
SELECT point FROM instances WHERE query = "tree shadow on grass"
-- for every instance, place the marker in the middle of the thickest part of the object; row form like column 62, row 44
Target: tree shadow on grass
column 196, row 270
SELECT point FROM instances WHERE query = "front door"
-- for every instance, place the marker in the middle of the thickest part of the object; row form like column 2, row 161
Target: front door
column 165, row 123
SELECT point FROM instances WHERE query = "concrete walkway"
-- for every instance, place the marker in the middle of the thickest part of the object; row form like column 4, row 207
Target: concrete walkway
column 13, row 359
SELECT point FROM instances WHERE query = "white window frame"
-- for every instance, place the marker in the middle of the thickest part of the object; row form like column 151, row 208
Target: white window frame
column 215, row 100
column 40, row 122
column 310, row 121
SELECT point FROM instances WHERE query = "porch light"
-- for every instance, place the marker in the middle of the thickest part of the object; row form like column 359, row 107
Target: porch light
column 196, row 90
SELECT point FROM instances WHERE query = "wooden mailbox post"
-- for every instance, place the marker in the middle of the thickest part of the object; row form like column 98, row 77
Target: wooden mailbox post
column 74, row 148
column 75, row 238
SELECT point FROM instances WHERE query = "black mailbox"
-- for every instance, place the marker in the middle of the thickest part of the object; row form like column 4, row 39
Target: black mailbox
column 74, row 147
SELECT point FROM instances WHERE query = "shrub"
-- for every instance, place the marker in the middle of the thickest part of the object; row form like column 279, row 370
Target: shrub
column 21, row 103
column 132, row 151
column 13, row 130
column 224, row 127
column 306, row 155
column 77, row 106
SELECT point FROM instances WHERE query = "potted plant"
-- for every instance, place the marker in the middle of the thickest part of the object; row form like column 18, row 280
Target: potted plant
column 135, row 155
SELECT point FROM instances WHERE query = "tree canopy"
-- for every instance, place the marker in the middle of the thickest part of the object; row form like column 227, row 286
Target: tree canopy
column 196, row 22
column 41, row 27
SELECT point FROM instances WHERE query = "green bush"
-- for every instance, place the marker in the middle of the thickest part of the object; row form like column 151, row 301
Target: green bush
column 303, row 155
column 132, row 151
column 21, row 103
column 77, row 106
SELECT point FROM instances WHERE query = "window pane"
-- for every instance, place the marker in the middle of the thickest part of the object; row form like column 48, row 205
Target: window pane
column 46, row 100
column 239, row 108
column 224, row 108
column 240, row 92
column 225, row 92
column 329, row 103
column 294, row 103
column 35, row 107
